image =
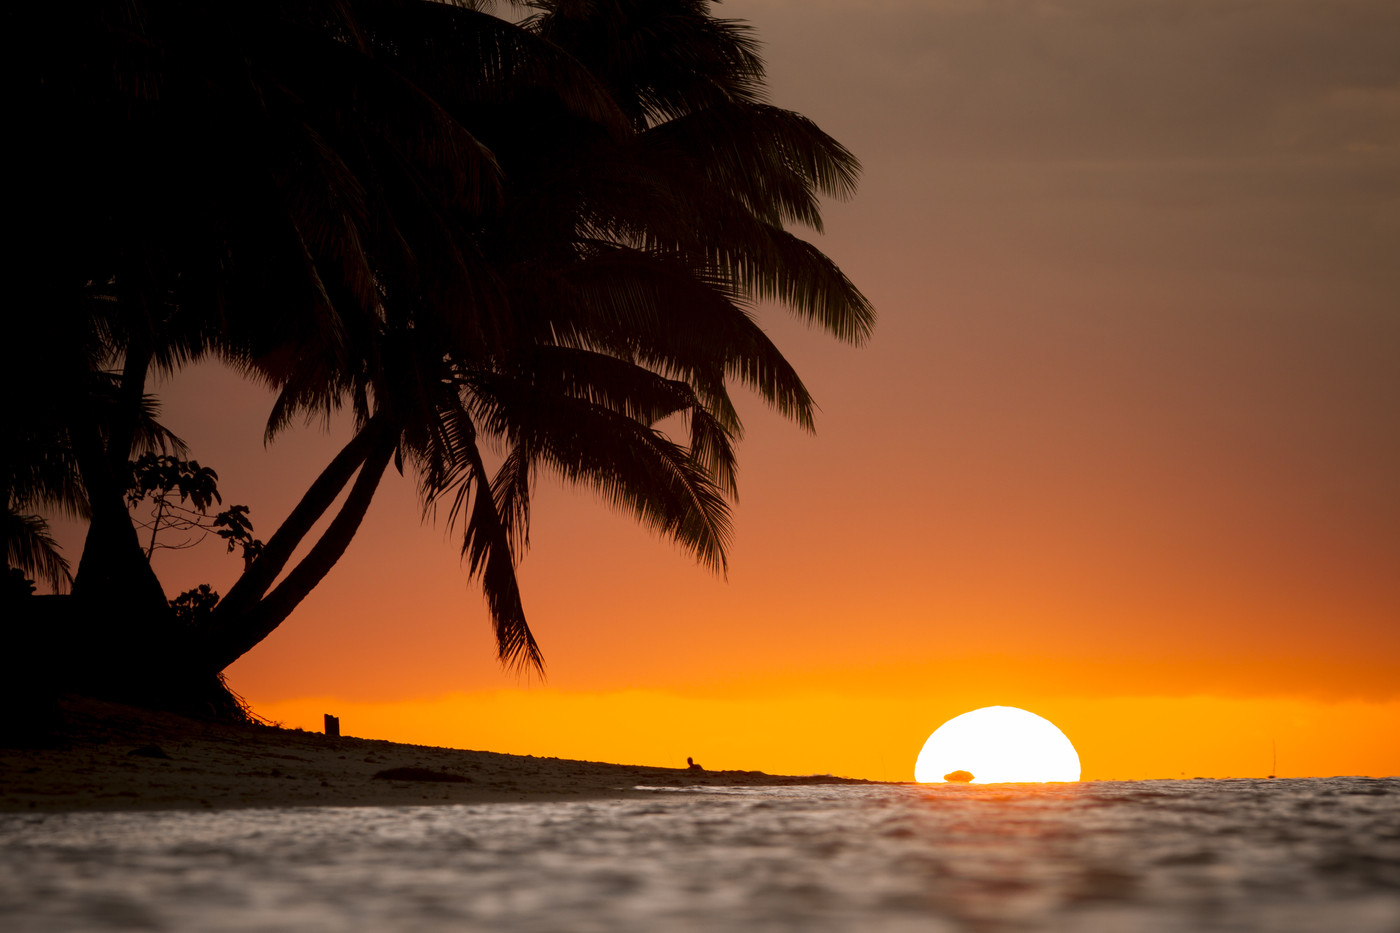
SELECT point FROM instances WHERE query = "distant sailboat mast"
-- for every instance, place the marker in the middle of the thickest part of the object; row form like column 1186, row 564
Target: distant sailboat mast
column 1273, row 771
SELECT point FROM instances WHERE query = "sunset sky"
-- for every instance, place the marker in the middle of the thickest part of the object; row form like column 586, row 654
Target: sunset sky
column 1123, row 451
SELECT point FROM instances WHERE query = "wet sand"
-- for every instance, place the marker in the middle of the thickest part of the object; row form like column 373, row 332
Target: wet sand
column 109, row 757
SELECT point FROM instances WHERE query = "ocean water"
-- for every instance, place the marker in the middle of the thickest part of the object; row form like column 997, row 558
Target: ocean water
column 1118, row 857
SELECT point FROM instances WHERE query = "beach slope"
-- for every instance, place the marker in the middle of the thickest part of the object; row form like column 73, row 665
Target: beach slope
column 106, row 756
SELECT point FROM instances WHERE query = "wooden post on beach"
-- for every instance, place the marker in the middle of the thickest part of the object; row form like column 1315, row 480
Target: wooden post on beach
column 333, row 726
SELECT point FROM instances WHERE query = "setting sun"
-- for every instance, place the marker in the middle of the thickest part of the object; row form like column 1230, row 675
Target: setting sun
column 994, row 745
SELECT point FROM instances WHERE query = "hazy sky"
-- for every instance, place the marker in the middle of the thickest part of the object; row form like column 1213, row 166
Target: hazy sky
column 1128, row 431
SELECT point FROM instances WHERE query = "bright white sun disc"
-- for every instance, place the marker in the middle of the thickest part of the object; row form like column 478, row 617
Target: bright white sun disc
column 998, row 744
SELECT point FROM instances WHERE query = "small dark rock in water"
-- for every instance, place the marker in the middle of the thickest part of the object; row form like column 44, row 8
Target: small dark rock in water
column 150, row 751
column 420, row 774
column 958, row 777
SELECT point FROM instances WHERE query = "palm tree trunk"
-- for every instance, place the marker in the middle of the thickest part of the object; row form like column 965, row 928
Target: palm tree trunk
column 121, row 633
column 113, row 568
column 122, row 432
column 241, row 634
column 272, row 560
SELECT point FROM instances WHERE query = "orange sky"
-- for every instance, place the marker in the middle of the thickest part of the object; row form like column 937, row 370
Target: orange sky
column 1124, row 451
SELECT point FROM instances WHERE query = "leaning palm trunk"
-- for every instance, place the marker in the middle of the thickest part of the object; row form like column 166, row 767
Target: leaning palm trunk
column 239, row 632
column 264, row 570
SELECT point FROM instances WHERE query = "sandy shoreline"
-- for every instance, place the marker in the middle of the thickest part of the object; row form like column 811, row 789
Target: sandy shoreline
column 108, row 757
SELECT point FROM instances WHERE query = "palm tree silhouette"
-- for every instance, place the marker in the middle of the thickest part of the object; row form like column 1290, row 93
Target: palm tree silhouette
column 604, row 286
column 551, row 235
column 265, row 182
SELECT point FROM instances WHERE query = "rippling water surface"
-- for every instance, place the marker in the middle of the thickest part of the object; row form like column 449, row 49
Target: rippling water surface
column 1276, row 856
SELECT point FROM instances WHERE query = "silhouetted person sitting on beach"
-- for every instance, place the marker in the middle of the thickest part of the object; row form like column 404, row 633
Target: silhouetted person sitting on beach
column 690, row 765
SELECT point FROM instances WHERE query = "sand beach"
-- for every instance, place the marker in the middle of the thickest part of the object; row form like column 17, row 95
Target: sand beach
column 107, row 756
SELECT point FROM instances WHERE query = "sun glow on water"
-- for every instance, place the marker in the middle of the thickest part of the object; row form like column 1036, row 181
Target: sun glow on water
column 997, row 744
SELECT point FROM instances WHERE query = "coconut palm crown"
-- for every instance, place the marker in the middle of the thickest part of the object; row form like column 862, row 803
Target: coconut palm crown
column 548, row 238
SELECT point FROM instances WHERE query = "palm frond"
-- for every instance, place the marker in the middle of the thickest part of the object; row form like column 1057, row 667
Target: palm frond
column 766, row 262
column 469, row 58
column 775, row 161
column 661, row 311
column 486, row 547
column 153, row 437
column 510, row 487
column 630, row 465
column 659, row 60
column 641, row 201
column 30, row 547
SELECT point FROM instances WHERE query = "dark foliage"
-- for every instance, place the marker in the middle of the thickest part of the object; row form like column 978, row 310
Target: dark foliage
column 549, row 238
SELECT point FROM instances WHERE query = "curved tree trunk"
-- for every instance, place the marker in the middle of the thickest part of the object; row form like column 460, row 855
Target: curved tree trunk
column 240, row 633
column 269, row 564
